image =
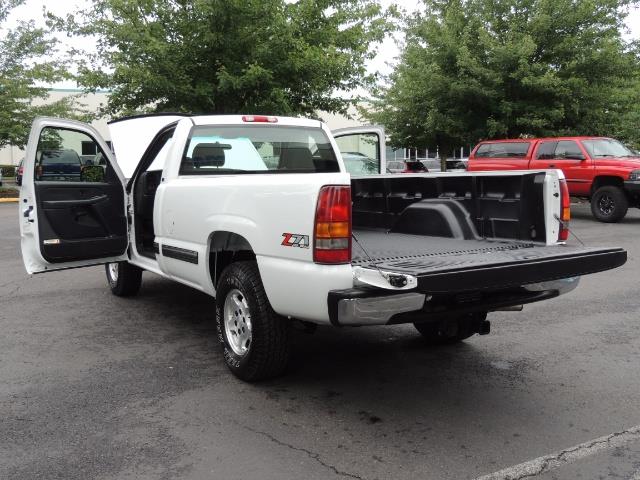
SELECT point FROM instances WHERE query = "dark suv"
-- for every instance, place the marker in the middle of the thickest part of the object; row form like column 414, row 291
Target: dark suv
column 59, row 165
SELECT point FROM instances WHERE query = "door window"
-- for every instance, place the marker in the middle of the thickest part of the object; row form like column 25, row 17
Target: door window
column 360, row 152
column 65, row 155
column 568, row 149
column 503, row 150
column 546, row 150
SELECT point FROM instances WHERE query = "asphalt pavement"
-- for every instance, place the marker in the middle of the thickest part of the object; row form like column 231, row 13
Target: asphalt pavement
column 98, row 387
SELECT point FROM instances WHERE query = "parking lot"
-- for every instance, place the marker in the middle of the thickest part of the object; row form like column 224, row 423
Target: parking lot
column 96, row 386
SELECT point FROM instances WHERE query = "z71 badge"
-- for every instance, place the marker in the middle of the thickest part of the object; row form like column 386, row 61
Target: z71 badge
column 295, row 240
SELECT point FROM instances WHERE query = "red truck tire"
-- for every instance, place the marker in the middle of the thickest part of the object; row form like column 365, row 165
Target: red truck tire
column 609, row 204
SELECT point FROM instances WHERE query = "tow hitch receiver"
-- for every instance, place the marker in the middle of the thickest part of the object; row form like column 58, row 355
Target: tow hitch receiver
column 484, row 328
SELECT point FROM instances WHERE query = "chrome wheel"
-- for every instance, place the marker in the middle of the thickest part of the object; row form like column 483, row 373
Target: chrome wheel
column 237, row 322
column 113, row 272
column 606, row 204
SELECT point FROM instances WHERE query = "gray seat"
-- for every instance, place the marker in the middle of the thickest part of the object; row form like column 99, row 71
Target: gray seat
column 297, row 158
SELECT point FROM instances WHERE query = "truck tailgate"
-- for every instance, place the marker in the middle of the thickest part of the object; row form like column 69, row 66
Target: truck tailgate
column 452, row 265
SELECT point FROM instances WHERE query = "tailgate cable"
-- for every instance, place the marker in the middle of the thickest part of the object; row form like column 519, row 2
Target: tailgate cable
column 566, row 225
column 396, row 281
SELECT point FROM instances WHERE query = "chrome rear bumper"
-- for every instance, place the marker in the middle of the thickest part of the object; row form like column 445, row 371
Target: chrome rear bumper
column 377, row 310
column 358, row 307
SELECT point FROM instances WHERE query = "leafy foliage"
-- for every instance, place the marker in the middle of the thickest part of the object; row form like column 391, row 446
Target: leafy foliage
column 27, row 61
column 228, row 56
column 475, row 69
column 8, row 170
column 50, row 139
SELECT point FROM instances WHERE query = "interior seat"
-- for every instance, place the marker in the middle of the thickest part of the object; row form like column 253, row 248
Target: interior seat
column 296, row 158
column 208, row 155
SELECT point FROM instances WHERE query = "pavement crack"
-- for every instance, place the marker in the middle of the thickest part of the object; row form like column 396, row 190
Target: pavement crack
column 552, row 461
column 14, row 291
column 313, row 455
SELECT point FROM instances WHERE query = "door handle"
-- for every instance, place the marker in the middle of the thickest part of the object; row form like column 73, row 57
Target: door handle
column 85, row 202
column 553, row 165
column 26, row 213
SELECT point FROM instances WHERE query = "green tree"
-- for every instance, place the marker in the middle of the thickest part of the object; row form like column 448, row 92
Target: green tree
column 229, row 56
column 27, row 62
column 476, row 69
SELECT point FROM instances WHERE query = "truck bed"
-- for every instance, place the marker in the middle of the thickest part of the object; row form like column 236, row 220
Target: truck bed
column 448, row 264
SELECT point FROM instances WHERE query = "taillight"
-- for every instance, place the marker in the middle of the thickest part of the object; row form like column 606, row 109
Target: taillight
column 332, row 230
column 259, row 119
column 565, row 212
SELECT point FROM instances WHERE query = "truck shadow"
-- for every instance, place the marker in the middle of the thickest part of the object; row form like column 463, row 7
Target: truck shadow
column 369, row 370
column 378, row 393
column 396, row 361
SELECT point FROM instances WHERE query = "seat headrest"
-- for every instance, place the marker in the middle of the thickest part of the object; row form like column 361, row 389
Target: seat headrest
column 208, row 155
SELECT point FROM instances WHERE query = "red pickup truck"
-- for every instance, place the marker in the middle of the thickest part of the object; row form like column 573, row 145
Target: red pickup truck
column 600, row 169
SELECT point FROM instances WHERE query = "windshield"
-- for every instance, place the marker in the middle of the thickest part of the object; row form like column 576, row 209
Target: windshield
column 606, row 147
column 225, row 149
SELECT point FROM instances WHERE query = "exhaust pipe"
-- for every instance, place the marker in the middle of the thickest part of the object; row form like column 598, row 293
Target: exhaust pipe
column 484, row 328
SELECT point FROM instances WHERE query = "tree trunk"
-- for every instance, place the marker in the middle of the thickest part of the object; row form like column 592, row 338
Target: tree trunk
column 443, row 158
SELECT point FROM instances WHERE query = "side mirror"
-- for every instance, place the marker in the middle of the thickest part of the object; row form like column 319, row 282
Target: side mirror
column 570, row 156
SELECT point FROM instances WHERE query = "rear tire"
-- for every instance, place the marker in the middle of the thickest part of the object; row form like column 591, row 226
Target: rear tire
column 124, row 279
column 255, row 340
column 451, row 331
column 609, row 204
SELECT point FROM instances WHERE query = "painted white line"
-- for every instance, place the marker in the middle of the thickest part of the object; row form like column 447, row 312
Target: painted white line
column 569, row 455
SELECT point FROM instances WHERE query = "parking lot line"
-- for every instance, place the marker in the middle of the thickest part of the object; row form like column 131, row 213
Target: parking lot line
column 569, row 455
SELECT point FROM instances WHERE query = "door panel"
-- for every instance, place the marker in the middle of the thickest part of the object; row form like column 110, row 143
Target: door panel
column 80, row 221
column 130, row 137
column 571, row 158
column 73, row 198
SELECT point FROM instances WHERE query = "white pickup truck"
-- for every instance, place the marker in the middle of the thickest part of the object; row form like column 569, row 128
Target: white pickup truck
column 263, row 214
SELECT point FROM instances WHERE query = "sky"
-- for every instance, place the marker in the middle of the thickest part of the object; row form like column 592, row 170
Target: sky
column 387, row 54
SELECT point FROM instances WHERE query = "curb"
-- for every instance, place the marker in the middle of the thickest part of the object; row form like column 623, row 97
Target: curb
column 9, row 200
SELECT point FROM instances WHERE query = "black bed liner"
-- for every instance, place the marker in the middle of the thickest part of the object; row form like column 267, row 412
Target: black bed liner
column 447, row 264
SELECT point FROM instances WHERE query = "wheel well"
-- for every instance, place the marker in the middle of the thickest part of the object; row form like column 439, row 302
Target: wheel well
column 606, row 180
column 225, row 249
